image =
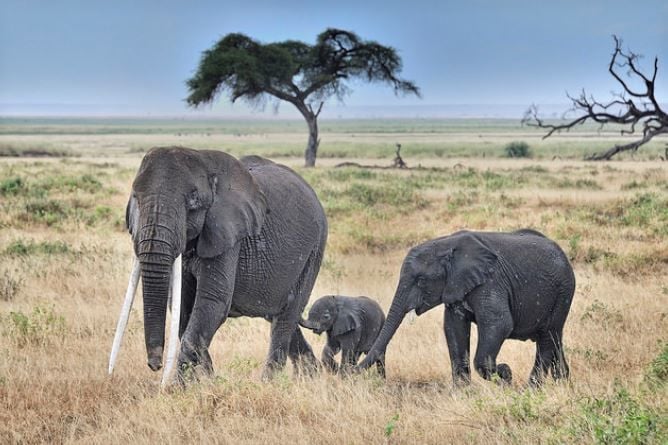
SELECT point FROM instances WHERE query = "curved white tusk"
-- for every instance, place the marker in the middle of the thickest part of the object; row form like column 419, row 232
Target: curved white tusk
column 175, row 291
column 125, row 314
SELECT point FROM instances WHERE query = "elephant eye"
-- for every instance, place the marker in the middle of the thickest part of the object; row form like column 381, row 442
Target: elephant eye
column 421, row 282
column 193, row 200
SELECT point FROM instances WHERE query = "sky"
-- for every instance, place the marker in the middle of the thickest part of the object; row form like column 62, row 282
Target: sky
column 76, row 57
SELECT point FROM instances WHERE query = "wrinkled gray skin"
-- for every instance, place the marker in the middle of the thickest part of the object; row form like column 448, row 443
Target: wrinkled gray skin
column 252, row 234
column 352, row 325
column 515, row 285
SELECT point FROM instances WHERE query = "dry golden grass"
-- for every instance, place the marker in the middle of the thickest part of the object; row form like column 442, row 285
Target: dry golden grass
column 64, row 260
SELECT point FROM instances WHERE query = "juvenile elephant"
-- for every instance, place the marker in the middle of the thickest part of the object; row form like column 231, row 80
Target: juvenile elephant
column 515, row 285
column 352, row 325
column 252, row 235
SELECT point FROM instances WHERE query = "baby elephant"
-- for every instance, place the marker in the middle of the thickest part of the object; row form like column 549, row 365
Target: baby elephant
column 352, row 325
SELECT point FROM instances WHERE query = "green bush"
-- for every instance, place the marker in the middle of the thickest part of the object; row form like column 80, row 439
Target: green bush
column 657, row 374
column 619, row 418
column 47, row 211
column 11, row 186
column 37, row 328
column 518, row 149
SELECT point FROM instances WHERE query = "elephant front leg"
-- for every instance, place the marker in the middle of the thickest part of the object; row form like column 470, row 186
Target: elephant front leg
column 328, row 353
column 213, row 298
column 457, row 327
column 348, row 360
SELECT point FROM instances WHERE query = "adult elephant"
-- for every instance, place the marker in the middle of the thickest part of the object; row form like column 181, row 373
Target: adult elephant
column 252, row 235
column 515, row 285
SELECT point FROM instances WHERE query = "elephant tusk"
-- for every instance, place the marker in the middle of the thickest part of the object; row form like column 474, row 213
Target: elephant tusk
column 125, row 314
column 175, row 293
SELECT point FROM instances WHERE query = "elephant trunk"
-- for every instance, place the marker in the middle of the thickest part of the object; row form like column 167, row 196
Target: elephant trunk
column 398, row 310
column 155, row 270
column 157, row 244
column 308, row 324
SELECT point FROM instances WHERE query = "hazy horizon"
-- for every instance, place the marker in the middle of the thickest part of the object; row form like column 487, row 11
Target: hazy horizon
column 439, row 111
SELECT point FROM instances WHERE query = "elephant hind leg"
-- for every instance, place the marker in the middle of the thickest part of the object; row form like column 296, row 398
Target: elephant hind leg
column 284, row 328
column 301, row 354
column 549, row 358
column 559, row 367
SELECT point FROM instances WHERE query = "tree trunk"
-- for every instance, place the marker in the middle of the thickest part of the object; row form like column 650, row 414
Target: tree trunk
column 312, row 147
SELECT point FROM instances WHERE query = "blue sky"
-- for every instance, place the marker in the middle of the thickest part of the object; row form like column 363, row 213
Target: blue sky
column 132, row 57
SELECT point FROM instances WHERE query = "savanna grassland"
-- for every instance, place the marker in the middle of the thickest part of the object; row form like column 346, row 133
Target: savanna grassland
column 65, row 258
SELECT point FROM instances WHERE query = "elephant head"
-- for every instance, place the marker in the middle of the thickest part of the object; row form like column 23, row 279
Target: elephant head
column 185, row 200
column 443, row 270
column 328, row 314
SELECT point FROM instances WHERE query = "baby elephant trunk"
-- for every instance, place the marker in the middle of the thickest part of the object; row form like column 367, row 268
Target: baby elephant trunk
column 308, row 324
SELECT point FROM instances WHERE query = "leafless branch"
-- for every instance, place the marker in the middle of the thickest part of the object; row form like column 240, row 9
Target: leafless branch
column 631, row 108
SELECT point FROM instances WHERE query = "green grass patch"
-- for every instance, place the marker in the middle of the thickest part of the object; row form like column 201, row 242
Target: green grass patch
column 618, row 418
column 43, row 187
column 657, row 371
column 42, row 326
column 29, row 247
column 584, row 184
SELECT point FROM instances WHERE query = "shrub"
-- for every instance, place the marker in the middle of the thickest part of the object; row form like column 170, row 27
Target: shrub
column 48, row 211
column 518, row 149
column 657, row 374
column 36, row 328
column 11, row 186
column 618, row 419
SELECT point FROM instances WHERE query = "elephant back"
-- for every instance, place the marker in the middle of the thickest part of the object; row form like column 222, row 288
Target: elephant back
column 287, row 193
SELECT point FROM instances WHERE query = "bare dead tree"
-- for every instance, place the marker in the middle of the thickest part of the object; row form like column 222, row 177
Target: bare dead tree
column 398, row 161
column 632, row 108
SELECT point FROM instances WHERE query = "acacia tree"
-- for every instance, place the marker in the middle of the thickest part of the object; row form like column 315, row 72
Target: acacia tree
column 635, row 106
column 295, row 72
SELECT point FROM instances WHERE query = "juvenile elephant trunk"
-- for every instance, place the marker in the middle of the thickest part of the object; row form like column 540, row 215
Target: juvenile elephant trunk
column 309, row 324
column 395, row 316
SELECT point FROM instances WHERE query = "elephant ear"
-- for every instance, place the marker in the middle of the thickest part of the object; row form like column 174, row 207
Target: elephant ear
column 468, row 263
column 132, row 215
column 347, row 318
column 237, row 211
column 346, row 321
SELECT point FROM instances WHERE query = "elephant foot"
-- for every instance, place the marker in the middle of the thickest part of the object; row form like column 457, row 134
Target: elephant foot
column 306, row 367
column 271, row 370
column 504, row 373
column 461, row 380
column 535, row 381
column 461, row 375
column 194, row 365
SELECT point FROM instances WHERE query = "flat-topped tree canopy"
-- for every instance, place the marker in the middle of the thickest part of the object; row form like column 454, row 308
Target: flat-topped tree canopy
column 296, row 72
